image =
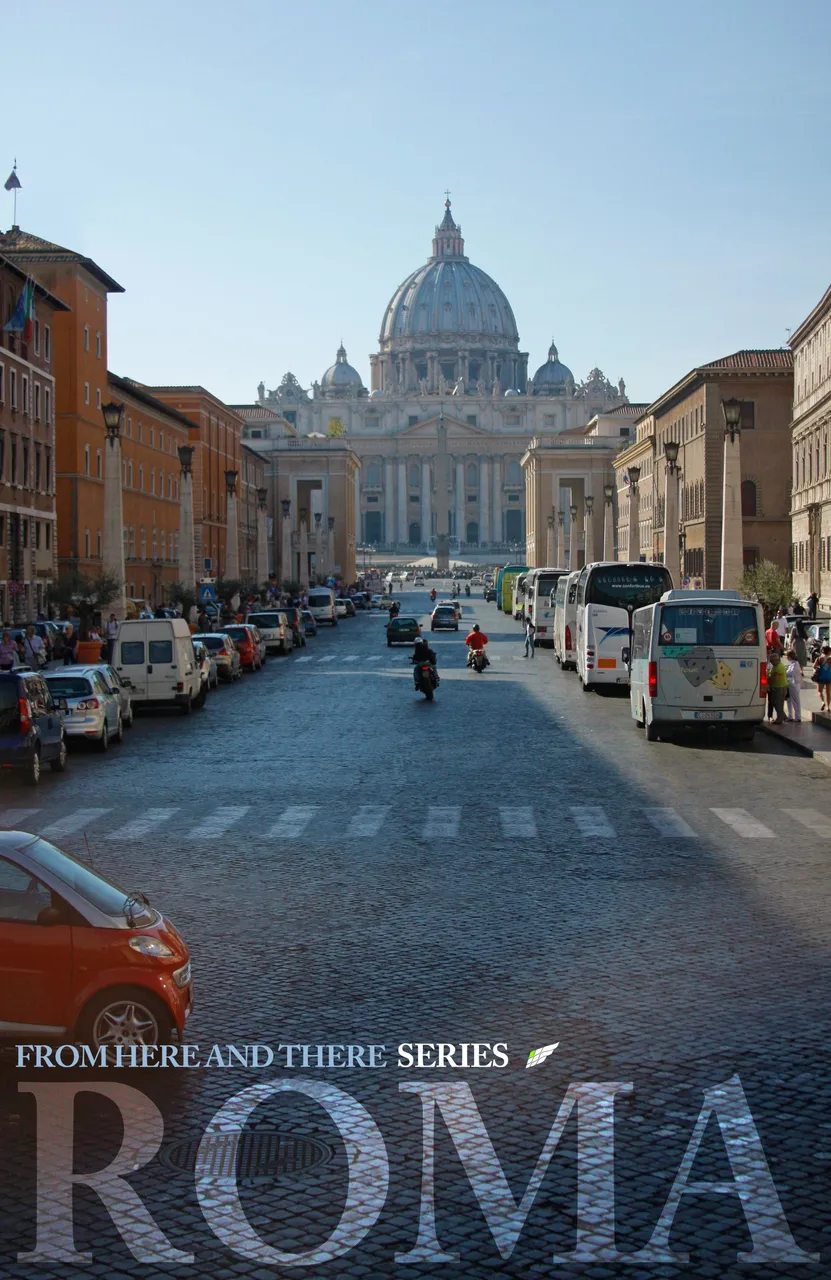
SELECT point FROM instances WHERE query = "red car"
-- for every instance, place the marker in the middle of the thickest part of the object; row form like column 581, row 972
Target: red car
column 82, row 960
column 247, row 640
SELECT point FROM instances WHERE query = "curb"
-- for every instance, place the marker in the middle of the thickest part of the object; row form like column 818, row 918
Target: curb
column 822, row 757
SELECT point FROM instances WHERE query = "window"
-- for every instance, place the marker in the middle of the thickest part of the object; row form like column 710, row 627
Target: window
column 37, row 535
column 141, row 479
column 37, row 402
column 22, row 896
column 48, row 471
column 160, row 651
column 13, row 387
column 86, row 459
column 86, row 337
column 412, row 419
column 472, row 419
column 748, row 419
column 130, row 472
column 143, row 545
column 164, row 545
column 2, row 384
column 472, row 474
column 132, row 653
column 140, row 432
column 13, row 461
column 98, row 345
column 47, row 529
column 153, row 480
column 86, row 543
column 47, row 343
column 25, row 394
column 748, row 499
column 155, row 545
column 37, row 468
column 86, row 393
column 152, row 437
column 98, row 463
column 37, row 337
column 98, row 397
column 47, row 403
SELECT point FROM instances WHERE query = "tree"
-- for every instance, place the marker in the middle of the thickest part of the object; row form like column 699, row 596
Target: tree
column 769, row 584
column 336, row 427
column 185, row 597
column 86, row 595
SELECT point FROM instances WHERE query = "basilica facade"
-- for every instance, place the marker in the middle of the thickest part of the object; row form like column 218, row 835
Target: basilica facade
column 448, row 355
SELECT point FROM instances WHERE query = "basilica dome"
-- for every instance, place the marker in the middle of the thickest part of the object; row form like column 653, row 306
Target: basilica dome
column 341, row 376
column 553, row 375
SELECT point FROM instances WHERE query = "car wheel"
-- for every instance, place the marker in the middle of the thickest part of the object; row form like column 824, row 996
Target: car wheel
column 124, row 1016
column 640, row 720
column 118, row 736
column 201, row 697
column 586, row 687
column 58, row 765
column 128, row 723
column 187, row 705
column 32, row 775
column 104, row 740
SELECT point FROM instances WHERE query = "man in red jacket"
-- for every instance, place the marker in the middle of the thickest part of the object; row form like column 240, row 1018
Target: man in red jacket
column 475, row 641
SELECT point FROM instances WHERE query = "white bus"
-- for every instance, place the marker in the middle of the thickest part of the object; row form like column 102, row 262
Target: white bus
column 565, row 621
column 608, row 593
column 536, row 598
column 699, row 658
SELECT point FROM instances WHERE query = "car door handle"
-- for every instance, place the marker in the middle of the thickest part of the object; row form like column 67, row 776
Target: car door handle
column 150, row 671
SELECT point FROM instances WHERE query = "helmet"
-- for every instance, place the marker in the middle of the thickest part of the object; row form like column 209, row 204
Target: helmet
column 476, row 626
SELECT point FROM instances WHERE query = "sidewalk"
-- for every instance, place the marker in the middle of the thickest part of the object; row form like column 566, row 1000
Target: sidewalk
column 812, row 737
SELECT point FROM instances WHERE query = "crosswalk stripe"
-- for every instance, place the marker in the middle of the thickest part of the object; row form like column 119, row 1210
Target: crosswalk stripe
column 744, row 824
column 518, row 821
column 442, row 821
column 140, row 826
column 72, row 822
column 368, row 820
column 12, row 818
column 303, row 659
column 592, row 821
column 669, row 823
column 294, row 820
column 329, row 658
column 218, row 822
column 376, row 658
column 350, row 657
column 812, row 820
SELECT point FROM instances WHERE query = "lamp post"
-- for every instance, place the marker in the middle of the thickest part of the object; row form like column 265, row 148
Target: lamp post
column 318, row 544
column 331, row 556
column 262, row 537
column 672, row 559
column 113, row 549
column 634, row 552
column 732, row 542
column 303, row 575
column 608, row 522
column 588, row 502
column 572, row 538
column 549, row 551
column 232, row 529
column 285, row 541
column 187, row 549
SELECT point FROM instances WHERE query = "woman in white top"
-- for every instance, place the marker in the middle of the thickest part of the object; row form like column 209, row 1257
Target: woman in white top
column 794, row 670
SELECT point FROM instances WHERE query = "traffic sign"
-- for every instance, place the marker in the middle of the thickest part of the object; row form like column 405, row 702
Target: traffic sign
column 14, row 587
column 206, row 563
column 206, row 593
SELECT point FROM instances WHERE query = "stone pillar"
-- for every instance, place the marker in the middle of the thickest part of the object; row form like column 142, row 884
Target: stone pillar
column 403, row 532
column 320, row 568
column 262, row 537
column 672, row 560
column 557, row 553
column 634, row 549
column 551, row 539
column 588, row 521
column 608, row 526
column 732, row 541
column 113, row 548
column 389, row 501
column 187, row 550
column 330, row 565
column 484, row 499
column 496, row 518
column 303, row 567
column 286, row 573
column 442, row 498
column 426, row 502
column 232, row 527
column 359, row 529
column 461, row 480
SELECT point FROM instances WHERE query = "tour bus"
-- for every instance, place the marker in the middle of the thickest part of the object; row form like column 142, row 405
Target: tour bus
column 505, row 586
column 518, row 595
column 538, row 587
column 608, row 593
column 565, row 621
column 698, row 658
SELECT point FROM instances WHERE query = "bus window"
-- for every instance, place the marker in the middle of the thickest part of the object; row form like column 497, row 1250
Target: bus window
column 729, row 626
column 626, row 586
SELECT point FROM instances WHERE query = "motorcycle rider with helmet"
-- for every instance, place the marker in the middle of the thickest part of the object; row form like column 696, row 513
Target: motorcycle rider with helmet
column 424, row 655
column 476, row 642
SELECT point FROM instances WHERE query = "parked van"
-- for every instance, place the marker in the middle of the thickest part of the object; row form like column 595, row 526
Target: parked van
column 699, row 658
column 321, row 605
column 538, row 586
column 156, row 656
column 565, row 620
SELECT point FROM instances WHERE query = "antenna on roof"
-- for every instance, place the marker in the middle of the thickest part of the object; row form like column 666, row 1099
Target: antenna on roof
column 12, row 183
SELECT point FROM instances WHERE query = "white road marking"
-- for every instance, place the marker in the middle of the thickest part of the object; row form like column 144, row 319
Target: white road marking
column 350, row 657
column 441, row 822
column 140, row 826
column 368, row 820
column 811, row 819
column 12, row 818
column 377, row 658
column 294, row 820
column 670, row 823
column 303, row 659
column 73, row 822
column 329, row 658
column 744, row 824
column 218, row 822
column 518, row 821
column 592, row 821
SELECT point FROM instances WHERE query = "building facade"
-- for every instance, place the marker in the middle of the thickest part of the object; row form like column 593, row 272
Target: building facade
column 28, row 537
column 448, row 351
column 811, row 478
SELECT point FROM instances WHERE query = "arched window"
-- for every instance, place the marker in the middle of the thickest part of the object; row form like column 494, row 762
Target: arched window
column 472, row 474
column 748, row 499
column 373, row 475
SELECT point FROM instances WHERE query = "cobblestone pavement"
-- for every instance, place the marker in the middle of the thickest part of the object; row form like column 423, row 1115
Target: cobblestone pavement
column 514, row 864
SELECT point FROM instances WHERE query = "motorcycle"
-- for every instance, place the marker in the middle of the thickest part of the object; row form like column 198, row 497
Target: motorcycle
column 467, row 590
column 425, row 678
column 478, row 659
column 433, row 595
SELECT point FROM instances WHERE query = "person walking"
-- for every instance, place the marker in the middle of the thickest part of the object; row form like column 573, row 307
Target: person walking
column 8, row 651
column 781, row 624
column 530, row 632
column 811, row 605
column 34, row 650
column 793, row 667
column 799, row 642
column 70, row 642
column 112, row 632
column 777, row 687
column 822, row 678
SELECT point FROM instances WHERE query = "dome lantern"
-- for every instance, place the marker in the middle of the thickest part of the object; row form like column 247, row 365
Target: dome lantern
column 341, row 378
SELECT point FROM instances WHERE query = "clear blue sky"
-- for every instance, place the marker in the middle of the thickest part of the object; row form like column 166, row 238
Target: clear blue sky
column 649, row 182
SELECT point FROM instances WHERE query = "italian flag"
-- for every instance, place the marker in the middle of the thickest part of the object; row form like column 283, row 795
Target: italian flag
column 23, row 317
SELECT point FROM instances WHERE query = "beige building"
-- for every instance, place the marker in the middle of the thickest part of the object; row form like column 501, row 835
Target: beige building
column 811, row 478
column 690, row 415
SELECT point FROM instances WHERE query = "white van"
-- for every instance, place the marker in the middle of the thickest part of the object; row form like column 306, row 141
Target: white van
column 536, row 600
column 565, row 621
column 698, row 658
column 156, row 656
column 321, row 605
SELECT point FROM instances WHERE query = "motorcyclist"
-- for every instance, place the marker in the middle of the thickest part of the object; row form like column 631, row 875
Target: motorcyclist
column 433, row 595
column 476, row 642
column 395, row 609
column 467, row 588
column 422, row 653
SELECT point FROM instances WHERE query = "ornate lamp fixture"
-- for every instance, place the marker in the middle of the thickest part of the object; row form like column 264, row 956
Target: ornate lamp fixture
column 113, row 415
column 186, row 452
column 732, row 410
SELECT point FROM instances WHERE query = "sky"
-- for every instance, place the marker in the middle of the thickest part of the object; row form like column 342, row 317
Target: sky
column 648, row 182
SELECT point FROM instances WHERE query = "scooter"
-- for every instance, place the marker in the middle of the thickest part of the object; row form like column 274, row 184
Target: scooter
column 478, row 659
column 467, row 589
column 425, row 678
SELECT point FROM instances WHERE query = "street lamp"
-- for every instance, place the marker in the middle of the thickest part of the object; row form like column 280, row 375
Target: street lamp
column 732, row 410
column 608, row 522
column 671, row 508
column 231, row 482
column 285, row 503
column 671, row 454
column 113, row 415
column 732, row 532
column 262, row 498
column 186, row 452
column 634, row 515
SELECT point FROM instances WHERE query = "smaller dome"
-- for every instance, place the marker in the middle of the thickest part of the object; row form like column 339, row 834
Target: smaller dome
column 377, row 394
column 552, row 376
column 512, row 391
column 340, row 375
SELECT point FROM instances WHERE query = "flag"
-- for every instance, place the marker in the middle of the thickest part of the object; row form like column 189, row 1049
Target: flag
column 12, row 183
column 23, row 316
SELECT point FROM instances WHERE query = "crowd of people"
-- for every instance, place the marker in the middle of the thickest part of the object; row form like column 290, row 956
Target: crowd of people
column 787, row 639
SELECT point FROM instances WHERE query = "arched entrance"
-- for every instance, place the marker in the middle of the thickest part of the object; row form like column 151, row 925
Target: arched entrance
column 513, row 526
column 472, row 535
column 373, row 526
column 415, row 534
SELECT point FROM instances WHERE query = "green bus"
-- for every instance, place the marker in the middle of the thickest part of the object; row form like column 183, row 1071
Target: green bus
column 505, row 586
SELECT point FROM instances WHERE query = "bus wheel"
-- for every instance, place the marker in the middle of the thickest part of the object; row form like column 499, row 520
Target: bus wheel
column 585, row 687
column 641, row 720
column 652, row 734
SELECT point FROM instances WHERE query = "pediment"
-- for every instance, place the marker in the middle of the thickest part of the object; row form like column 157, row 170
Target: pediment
column 456, row 429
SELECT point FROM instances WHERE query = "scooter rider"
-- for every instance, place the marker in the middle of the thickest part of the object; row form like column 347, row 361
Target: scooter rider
column 423, row 653
column 433, row 594
column 476, row 642
column 467, row 588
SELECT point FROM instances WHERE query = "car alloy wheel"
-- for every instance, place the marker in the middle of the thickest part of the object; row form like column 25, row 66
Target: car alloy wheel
column 33, row 770
column 59, row 763
column 104, row 740
column 125, row 1017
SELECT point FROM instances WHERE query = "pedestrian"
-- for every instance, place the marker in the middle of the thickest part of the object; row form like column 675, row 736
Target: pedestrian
column 822, row 677
column 777, row 687
column 799, row 642
column 70, row 641
column 112, row 632
column 811, row 605
column 797, row 610
column 781, row 624
column 772, row 637
column 530, row 631
column 8, row 651
column 34, row 650
column 794, row 671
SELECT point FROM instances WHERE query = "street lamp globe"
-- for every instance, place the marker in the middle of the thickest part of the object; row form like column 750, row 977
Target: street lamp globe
column 634, row 476
column 732, row 410
column 231, row 482
column 331, row 523
column 285, row 503
column 318, row 518
column 113, row 415
column 589, row 503
column 608, row 492
column 262, row 498
column 186, row 452
column 572, row 511
column 671, row 452
column 551, row 521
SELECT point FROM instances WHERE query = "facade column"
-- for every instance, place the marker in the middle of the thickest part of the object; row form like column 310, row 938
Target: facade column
column 389, row 501
column 303, row 568
column 319, row 566
column 460, row 499
column 634, row 549
column 285, row 542
column 113, row 548
column 426, row 502
column 359, row 530
column 608, row 522
column 403, row 531
column 232, row 527
column 187, row 550
column 732, row 540
column 262, row 537
column 496, row 518
column 588, row 521
column 330, row 560
column 484, row 499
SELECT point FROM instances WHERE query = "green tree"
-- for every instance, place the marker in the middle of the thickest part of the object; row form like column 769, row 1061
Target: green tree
column 87, row 596
column 185, row 597
column 769, row 584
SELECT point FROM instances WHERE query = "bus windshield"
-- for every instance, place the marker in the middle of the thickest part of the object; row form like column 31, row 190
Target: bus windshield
column 715, row 625
column 627, row 586
column 546, row 582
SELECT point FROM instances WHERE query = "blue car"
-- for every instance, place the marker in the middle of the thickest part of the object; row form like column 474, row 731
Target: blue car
column 31, row 726
column 309, row 622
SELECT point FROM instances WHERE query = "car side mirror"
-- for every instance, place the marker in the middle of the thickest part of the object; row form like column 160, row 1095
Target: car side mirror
column 50, row 916
column 61, row 704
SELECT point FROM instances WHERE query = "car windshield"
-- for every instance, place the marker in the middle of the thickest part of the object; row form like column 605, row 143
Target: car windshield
column 264, row 619
column 717, row 625
column 237, row 633
column 101, row 893
column 68, row 686
column 445, row 613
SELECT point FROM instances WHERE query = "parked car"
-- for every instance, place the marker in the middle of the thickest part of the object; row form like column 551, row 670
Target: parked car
column 321, row 604
column 31, row 727
column 444, row 618
column 348, row 606
column 90, row 710
column 249, row 650
column 292, row 612
column 156, row 656
column 119, row 686
column 207, row 668
column 358, row 600
column 123, row 977
column 385, row 601
column 340, row 608
column 309, row 622
column 274, row 627
column 402, row 630
column 224, row 653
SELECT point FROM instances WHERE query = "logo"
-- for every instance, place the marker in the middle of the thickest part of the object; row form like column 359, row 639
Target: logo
column 536, row 1056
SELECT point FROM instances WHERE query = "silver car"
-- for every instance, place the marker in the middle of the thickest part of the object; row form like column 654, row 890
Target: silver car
column 93, row 711
column 119, row 686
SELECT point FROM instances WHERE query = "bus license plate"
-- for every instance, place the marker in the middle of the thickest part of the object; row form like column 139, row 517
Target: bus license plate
column 708, row 715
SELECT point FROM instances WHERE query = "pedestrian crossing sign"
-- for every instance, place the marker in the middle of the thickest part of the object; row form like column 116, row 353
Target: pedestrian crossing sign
column 206, row 593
